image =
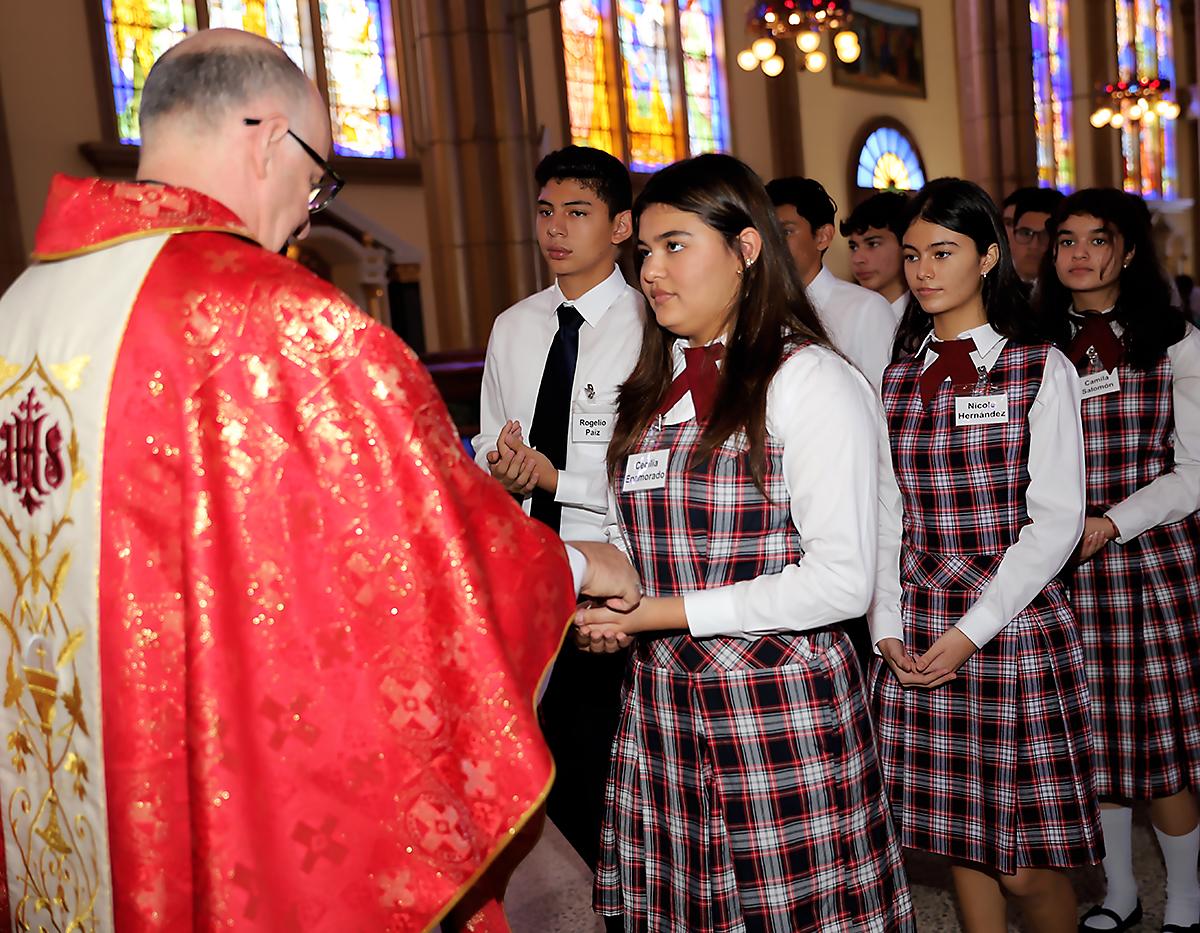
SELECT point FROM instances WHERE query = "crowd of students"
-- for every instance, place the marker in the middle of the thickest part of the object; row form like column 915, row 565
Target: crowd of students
column 918, row 554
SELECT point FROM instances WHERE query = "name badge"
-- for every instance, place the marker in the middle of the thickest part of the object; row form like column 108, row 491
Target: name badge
column 981, row 409
column 592, row 427
column 646, row 471
column 1101, row 383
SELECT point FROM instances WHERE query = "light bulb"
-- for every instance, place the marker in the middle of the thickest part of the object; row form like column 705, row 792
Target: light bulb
column 849, row 53
column 1149, row 118
column 1117, row 121
column 1173, row 111
column 815, row 61
column 773, row 66
column 1161, row 107
column 1137, row 111
column 747, row 60
column 808, row 41
column 846, row 37
column 1098, row 119
column 769, row 16
column 763, row 48
column 794, row 19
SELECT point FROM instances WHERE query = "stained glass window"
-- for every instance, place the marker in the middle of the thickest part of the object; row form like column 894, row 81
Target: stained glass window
column 278, row 20
column 356, row 42
column 889, row 162
column 701, row 39
column 1052, row 94
column 1145, row 51
column 585, row 53
column 138, row 31
column 645, row 78
column 649, row 104
column 360, row 66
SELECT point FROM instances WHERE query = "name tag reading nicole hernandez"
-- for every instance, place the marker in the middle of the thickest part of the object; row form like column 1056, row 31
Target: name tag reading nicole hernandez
column 646, row 471
column 980, row 409
column 1101, row 383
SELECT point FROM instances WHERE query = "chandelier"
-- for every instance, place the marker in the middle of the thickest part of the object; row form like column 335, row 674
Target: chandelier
column 1144, row 101
column 803, row 21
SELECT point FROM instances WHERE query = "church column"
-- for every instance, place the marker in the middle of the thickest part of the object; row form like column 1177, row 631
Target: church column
column 477, row 159
column 994, row 51
column 12, row 252
column 783, row 106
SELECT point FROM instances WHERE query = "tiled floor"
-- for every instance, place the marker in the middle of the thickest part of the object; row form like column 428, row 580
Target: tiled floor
column 551, row 891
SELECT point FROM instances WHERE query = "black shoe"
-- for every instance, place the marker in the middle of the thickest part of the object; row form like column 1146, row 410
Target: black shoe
column 1176, row 928
column 1134, row 918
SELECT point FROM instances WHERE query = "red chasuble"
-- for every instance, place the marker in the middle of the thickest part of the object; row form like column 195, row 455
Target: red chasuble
column 271, row 639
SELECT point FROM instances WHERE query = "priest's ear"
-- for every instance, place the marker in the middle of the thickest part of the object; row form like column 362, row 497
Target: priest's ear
column 266, row 137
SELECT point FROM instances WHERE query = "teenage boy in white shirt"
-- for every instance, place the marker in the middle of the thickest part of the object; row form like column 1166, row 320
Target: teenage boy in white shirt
column 859, row 322
column 875, row 256
column 554, row 364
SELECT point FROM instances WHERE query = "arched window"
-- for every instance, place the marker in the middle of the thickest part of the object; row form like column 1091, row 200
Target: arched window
column 1052, row 94
column 355, row 46
column 645, row 78
column 1145, row 51
column 888, row 160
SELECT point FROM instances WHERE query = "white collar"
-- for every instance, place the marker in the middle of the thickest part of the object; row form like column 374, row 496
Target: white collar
column 821, row 287
column 984, row 336
column 593, row 303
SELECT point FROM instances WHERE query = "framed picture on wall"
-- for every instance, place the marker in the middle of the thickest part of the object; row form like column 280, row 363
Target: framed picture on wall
column 893, row 56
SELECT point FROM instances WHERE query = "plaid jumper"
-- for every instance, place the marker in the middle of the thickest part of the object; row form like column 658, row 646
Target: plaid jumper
column 994, row 767
column 745, row 792
column 1139, row 603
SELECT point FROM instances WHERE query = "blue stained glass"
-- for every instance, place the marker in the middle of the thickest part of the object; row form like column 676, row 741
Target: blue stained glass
column 888, row 161
column 702, row 40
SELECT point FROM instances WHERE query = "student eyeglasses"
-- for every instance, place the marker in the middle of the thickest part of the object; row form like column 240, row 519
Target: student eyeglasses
column 325, row 190
column 1028, row 235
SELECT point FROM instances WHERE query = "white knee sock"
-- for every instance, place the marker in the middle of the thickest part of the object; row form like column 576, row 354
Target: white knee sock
column 1183, row 887
column 1122, row 892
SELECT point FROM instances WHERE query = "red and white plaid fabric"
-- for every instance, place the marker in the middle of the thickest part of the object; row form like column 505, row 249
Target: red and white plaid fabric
column 994, row 767
column 1139, row 603
column 745, row 793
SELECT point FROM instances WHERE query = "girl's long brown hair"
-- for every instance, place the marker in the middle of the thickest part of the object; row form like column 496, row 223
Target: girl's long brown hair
column 770, row 314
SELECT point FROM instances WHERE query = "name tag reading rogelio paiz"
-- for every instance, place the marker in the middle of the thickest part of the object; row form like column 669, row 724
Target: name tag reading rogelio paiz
column 592, row 427
column 646, row 470
column 981, row 409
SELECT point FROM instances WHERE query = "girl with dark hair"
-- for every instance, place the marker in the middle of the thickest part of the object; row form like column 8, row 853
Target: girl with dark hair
column 745, row 791
column 1136, row 591
column 982, row 706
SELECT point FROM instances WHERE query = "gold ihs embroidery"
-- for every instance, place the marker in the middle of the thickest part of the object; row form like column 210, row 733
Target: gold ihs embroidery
column 55, row 882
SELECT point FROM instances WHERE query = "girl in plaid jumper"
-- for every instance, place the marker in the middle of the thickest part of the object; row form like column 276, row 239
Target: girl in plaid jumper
column 745, row 793
column 1135, row 590
column 982, row 707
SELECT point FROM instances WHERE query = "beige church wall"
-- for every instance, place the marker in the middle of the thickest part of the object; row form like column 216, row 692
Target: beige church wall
column 832, row 117
column 49, row 110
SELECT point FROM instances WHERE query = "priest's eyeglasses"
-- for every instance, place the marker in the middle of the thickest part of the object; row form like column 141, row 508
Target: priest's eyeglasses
column 325, row 190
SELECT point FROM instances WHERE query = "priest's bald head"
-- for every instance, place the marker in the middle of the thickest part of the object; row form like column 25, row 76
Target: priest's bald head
column 228, row 114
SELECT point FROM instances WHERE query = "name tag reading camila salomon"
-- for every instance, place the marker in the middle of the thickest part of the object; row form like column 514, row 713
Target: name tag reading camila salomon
column 646, row 471
column 980, row 409
column 1102, row 383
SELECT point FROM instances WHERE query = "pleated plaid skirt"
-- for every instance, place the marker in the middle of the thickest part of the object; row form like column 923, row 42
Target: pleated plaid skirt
column 994, row 767
column 745, row 793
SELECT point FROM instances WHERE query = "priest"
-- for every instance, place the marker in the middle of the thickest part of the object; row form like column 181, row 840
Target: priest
column 271, row 643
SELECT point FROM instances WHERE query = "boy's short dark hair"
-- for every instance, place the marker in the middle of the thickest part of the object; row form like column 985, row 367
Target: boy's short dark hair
column 880, row 211
column 1015, row 195
column 1039, row 200
column 595, row 169
column 807, row 196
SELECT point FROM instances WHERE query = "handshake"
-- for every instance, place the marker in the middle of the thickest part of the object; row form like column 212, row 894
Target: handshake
column 606, row 622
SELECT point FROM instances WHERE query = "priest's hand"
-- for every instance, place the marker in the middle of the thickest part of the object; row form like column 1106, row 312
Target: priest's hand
column 609, row 576
column 511, row 464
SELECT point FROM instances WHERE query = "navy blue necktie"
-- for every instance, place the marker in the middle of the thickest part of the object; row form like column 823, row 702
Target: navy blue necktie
column 552, row 414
